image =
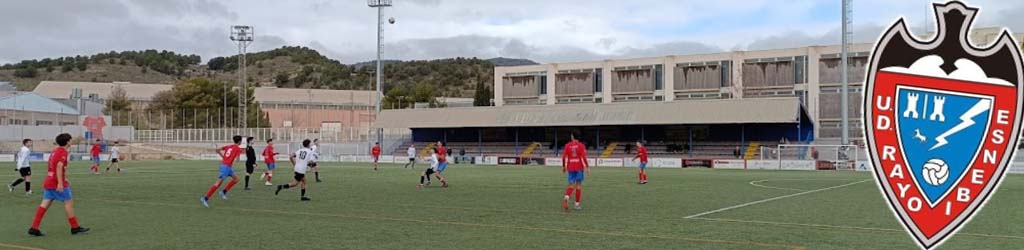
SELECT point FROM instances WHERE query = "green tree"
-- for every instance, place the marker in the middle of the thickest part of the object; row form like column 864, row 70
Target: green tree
column 425, row 93
column 191, row 100
column 483, row 95
column 118, row 106
column 396, row 98
column 281, row 80
column 28, row 72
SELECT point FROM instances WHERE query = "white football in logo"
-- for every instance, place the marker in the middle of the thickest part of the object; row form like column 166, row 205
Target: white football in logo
column 935, row 172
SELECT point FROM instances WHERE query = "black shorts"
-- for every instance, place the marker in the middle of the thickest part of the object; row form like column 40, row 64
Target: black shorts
column 114, row 160
column 249, row 168
column 26, row 171
column 429, row 171
column 412, row 159
column 300, row 177
column 311, row 164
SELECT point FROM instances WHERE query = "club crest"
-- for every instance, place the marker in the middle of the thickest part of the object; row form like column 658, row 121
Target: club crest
column 942, row 119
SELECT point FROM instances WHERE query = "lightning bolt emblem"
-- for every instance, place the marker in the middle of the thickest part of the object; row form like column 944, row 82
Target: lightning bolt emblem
column 966, row 120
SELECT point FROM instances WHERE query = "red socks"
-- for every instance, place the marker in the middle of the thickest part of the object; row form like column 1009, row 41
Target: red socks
column 40, row 212
column 213, row 189
column 73, row 221
column 643, row 176
column 230, row 184
column 579, row 192
column 568, row 191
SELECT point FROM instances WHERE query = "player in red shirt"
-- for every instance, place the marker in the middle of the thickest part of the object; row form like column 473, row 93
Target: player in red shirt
column 375, row 152
column 268, row 158
column 94, row 153
column 574, row 164
column 56, row 187
column 228, row 155
column 442, row 163
column 641, row 153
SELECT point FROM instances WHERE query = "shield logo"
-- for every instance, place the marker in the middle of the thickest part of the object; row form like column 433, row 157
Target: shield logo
column 942, row 120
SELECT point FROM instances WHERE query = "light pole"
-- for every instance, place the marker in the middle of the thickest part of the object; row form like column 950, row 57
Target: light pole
column 243, row 36
column 379, row 4
column 845, row 64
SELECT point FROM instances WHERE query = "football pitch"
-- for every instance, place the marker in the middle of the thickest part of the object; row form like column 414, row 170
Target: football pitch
column 155, row 205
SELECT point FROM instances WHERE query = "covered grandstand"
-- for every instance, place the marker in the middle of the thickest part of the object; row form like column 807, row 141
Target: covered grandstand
column 686, row 130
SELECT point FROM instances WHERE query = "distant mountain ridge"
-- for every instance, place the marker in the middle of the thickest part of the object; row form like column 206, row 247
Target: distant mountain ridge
column 285, row 67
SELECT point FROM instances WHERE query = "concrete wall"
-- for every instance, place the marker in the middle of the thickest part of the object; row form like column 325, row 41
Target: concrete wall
column 47, row 133
column 315, row 117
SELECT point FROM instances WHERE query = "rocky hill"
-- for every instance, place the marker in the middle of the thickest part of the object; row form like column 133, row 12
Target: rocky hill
column 286, row 67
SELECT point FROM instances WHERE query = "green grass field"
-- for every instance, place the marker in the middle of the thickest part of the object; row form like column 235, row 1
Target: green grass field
column 155, row 205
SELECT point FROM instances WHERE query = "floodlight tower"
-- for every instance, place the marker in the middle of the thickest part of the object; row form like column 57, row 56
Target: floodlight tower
column 845, row 100
column 380, row 5
column 243, row 36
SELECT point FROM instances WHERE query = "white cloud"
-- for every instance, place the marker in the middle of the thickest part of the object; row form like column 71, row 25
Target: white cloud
column 549, row 31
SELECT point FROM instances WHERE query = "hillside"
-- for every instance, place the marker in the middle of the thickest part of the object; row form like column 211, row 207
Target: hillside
column 286, row 67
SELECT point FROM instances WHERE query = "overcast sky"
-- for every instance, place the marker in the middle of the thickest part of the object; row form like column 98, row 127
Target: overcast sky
column 545, row 31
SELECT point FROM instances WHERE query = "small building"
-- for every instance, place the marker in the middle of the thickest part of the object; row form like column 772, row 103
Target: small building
column 28, row 108
column 285, row 107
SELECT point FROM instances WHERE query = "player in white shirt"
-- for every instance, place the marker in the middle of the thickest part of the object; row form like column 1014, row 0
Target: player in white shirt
column 301, row 159
column 315, row 148
column 432, row 170
column 412, row 156
column 115, row 158
column 23, row 167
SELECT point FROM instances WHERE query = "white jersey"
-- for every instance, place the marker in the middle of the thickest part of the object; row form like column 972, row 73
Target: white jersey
column 302, row 159
column 316, row 152
column 433, row 161
column 411, row 152
column 115, row 152
column 23, row 155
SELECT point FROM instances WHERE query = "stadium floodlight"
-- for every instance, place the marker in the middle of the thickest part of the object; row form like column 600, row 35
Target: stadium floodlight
column 242, row 35
column 379, row 4
column 845, row 99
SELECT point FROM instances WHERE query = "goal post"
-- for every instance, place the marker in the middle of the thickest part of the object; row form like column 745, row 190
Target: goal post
column 825, row 157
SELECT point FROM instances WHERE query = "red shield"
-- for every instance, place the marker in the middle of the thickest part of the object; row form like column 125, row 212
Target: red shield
column 902, row 191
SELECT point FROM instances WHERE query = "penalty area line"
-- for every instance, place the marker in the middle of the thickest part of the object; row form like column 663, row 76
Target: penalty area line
column 481, row 225
column 19, row 247
column 772, row 199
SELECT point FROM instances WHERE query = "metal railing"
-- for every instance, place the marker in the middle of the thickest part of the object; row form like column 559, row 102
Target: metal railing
column 351, row 134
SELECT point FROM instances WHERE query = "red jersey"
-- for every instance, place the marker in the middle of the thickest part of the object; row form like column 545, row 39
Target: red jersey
column 58, row 156
column 231, row 153
column 268, row 154
column 95, row 151
column 442, row 154
column 574, row 156
column 375, row 151
column 642, row 153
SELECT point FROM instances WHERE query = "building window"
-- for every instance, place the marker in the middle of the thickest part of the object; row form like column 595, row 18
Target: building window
column 44, row 123
column 800, row 69
column 597, row 80
column 543, row 85
column 725, row 71
column 658, row 77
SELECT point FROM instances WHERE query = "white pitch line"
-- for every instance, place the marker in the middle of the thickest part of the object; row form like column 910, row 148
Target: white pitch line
column 755, row 183
column 772, row 199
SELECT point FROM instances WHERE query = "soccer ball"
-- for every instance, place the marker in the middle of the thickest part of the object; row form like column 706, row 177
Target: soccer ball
column 391, row 20
column 935, row 172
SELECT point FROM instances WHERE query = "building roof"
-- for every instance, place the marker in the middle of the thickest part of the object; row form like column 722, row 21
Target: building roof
column 145, row 92
column 726, row 111
column 29, row 101
column 7, row 87
column 266, row 95
column 135, row 91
